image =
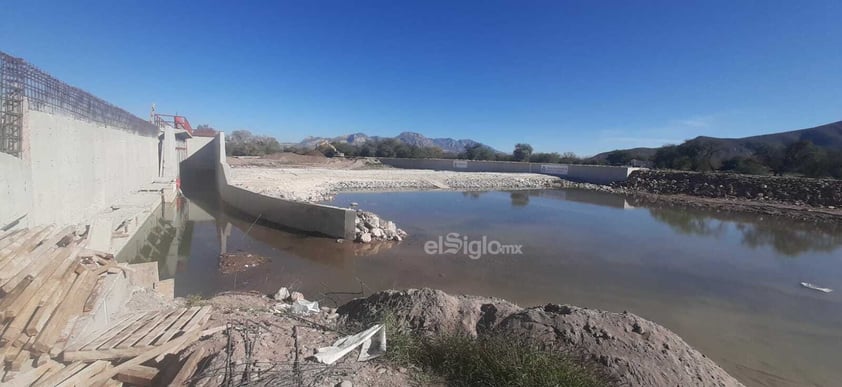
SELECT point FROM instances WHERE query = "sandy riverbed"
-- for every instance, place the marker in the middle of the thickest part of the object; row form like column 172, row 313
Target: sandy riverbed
column 319, row 184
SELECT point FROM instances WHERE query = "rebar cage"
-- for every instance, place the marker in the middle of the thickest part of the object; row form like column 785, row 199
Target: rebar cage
column 21, row 81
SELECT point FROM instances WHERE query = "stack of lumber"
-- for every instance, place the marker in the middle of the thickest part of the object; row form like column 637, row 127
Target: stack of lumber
column 48, row 278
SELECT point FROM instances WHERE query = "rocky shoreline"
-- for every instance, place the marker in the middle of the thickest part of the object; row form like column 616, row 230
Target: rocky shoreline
column 804, row 199
column 629, row 349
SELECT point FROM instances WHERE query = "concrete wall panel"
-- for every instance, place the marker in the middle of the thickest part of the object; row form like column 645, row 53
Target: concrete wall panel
column 79, row 167
column 15, row 189
column 327, row 220
column 200, row 154
column 596, row 174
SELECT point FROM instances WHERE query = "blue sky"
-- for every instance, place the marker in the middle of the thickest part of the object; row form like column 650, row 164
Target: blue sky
column 581, row 76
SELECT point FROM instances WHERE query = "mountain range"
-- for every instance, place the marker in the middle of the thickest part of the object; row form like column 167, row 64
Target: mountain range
column 827, row 137
column 447, row 145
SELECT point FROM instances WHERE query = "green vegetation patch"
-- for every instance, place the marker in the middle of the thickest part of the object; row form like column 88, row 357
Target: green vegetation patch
column 489, row 360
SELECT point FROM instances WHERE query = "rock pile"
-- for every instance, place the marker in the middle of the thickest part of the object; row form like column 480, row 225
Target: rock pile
column 369, row 227
column 789, row 190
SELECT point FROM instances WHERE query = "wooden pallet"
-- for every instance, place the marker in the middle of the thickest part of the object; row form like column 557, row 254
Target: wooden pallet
column 133, row 336
column 48, row 277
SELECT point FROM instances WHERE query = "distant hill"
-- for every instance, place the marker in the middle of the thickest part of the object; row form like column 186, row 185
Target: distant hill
column 447, row 145
column 828, row 137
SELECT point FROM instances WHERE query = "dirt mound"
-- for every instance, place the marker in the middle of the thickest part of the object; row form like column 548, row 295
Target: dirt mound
column 294, row 160
column 636, row 351
column 429, row 311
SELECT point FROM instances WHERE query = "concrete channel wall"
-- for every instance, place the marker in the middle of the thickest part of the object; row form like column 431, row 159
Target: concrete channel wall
column 70, row 169
column 596, row 174
column 316, row 218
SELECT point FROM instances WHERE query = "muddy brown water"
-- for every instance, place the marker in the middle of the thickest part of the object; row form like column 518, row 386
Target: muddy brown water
column 726, row 283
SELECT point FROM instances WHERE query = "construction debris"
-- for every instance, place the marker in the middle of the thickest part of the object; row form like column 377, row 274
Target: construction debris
column 51, row 282
column 372, row 342
column 239, row 261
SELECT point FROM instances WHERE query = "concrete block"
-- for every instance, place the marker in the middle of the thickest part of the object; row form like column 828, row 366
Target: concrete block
column 144, row 275
column 166, row 288
column 99, row 238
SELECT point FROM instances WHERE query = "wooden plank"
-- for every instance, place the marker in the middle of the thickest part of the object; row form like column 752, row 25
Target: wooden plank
column 83, row 377
column 138, row 375
column 139, row 323
column 24, row 307
column 50, row 302
column 141, row 333
column 11, row 297
column 214, row 330
column 53, row 271
column 112, row 383
column 199, row 319
column 22, row 357
column 149, row 354
column 57, row 377
column 103, row 354
column 17, row 254
column 197, row 322
column 19, row 241
column 160, row 329
column 107, row 332
column 177, row 326
column 189, row 367
column 57, row 367
column 43, row 359
column 41, row 257
column 29, row 377
column 96, row 293
column 8, row 353
column 11, row 353
column 10, row 237
column 116, row 330
column 70, row 306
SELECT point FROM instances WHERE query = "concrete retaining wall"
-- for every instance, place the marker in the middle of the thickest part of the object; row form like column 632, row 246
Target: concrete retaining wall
column 70, row 169
column 596, row 174
column 200, row 155
column 316, row 218
column 15, row 189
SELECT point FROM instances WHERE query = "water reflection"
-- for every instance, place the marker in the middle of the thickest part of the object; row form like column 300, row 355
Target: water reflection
column 165, row 237
column 788, row 238
column 685, row 222
column 519, row 198
column 473, row 194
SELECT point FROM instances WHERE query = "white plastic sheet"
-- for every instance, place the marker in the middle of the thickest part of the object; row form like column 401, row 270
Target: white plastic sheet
column 305, row 307
column 372, row 342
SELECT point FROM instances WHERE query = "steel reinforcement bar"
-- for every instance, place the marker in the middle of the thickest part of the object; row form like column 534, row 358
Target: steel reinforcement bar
column 20, row 80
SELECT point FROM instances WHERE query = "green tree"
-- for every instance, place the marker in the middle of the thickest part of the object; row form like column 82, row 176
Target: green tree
column 545, row 157
column 619, row 157
column 477, row 152
column 770, row 156
column 522, row 152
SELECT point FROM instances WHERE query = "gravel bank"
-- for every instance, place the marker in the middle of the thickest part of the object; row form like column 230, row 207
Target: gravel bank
column 320, row 184
column 803, row 199
column 821, row 193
